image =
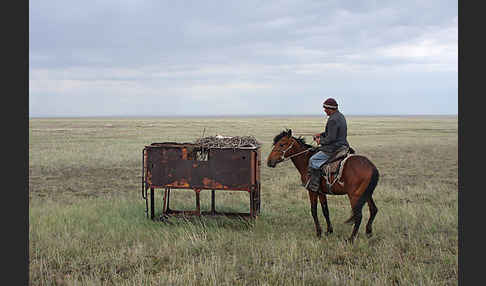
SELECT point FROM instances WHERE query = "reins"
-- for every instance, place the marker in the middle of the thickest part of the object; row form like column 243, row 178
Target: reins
column 294, row 155
column 290, row 157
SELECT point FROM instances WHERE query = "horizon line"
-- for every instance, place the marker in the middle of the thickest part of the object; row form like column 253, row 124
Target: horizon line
column 236, row 115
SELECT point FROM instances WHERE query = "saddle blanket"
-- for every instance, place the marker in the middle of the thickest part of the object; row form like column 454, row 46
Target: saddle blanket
column 332, row 171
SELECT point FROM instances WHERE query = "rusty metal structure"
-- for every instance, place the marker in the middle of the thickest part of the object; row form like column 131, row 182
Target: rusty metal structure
column 172, row 166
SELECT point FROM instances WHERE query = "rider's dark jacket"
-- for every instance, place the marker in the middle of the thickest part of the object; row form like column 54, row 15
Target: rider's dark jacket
column 335, row 134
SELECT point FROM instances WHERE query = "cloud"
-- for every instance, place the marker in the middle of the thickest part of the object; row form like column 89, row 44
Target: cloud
column 232, row 51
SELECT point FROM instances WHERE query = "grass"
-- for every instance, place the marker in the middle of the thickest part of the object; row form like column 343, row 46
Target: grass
column 87, row 224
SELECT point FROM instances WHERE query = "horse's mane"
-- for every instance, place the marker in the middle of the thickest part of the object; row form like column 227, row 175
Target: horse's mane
column 288, row 133
column 285, row 133
column 301, row 140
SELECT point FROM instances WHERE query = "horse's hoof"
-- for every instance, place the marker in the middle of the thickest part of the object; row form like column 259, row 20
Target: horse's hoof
column 328, row 232
column 369, row 234
column 349, row 221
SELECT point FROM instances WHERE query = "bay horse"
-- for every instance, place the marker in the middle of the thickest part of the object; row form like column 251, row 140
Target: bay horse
column 359, row 179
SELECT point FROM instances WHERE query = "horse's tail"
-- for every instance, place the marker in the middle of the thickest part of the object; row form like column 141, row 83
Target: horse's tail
column 375, row 176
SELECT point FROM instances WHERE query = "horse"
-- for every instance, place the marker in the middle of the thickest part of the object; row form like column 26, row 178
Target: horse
column 358, row 181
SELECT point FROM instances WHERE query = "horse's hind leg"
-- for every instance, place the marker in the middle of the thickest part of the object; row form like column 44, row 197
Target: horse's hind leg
column 313, row 202
column 373, row 212
column 325, row 211
column 356, row 215
column 357, row 222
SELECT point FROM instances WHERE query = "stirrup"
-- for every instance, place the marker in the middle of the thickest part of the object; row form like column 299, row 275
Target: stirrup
column 306, row 184
column 329, row 186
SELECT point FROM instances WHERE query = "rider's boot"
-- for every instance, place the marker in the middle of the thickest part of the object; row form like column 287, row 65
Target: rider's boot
column 314, row 182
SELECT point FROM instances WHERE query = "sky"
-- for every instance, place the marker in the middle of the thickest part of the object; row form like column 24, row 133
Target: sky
column 215, row 58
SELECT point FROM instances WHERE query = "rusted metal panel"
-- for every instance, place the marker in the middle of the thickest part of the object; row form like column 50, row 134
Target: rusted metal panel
column 172, row 165
column 177, row 166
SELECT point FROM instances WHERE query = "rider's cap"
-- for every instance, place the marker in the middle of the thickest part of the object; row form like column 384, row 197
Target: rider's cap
column 330, row 103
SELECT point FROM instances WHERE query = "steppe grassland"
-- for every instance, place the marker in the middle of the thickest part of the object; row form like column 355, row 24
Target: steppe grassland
column 88, row 226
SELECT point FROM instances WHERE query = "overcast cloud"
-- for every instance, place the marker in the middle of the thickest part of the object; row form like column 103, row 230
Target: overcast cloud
column 125, row 58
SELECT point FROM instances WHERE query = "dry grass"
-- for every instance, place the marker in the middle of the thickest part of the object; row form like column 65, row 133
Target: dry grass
column 88, row 227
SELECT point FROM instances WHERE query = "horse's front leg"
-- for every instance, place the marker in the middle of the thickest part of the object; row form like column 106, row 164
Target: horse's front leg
column 325, row 211
column 313, row 203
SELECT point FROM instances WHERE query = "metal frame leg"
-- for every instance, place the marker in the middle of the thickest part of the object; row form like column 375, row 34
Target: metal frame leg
column 198, row 202
column 164, row 204
column 152, row 203
column 213, row 207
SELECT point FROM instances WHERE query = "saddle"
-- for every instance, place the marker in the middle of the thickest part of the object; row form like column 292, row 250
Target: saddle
column 332, row 169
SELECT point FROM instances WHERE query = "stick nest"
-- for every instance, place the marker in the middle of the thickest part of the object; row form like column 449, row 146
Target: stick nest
column 220, row 141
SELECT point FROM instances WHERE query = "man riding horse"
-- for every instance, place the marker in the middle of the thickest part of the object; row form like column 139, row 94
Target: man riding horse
column 330, row 141
column 356, row 175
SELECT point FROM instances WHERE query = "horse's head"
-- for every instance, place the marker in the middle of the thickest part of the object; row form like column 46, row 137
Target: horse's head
column 283, row 145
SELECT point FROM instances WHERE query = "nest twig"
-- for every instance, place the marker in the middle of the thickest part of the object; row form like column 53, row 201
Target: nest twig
column 219, row 141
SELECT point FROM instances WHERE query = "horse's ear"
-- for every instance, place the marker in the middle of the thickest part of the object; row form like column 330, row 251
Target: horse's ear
column 290, row 132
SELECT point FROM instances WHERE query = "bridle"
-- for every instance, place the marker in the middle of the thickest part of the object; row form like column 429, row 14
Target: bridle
column 282, row 157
